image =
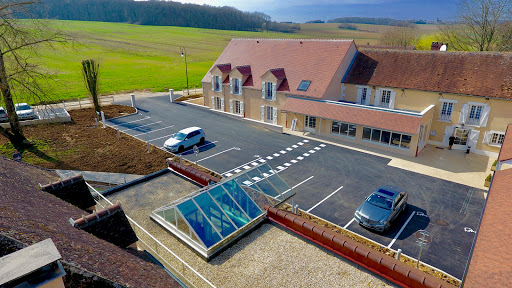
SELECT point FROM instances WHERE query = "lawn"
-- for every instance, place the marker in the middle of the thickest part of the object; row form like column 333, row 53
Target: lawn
column 136, row 57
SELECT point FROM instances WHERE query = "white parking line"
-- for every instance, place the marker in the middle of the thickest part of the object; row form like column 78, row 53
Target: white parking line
column 166, row 136
column 348, row 224
column 216, row 154
column 403, row 227
column 324, row 199
column 153, row 131
column 147, row 117
column 136, row 127
column 297, row 185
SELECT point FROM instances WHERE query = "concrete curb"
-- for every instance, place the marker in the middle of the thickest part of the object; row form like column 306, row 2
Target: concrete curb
column 375, row 261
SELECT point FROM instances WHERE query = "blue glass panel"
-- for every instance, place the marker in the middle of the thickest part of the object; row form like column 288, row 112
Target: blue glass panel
column 197, row 222
column 214, row 214
column 242, row 199
column 229, row 206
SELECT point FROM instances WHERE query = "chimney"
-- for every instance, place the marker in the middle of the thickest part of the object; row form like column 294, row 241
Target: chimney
column 73, row 190
column 110, row 225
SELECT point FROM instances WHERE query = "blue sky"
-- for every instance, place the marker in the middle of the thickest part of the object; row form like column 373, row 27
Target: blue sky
column 305, row 10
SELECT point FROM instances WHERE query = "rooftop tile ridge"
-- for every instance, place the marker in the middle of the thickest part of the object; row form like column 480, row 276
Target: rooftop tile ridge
column 243, row 66
column 297, row 39
column 61, row 183
column 365, row 48
column 95, row 216
column 276, row 69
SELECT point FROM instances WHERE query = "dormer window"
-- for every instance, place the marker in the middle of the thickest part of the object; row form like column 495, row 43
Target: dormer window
column 270, row 89
column 216, row 83
column 304, row 85
column 236, row 86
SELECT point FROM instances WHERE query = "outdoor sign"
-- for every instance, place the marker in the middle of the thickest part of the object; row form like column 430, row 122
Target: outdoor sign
column 196, row 150
column 424, row 239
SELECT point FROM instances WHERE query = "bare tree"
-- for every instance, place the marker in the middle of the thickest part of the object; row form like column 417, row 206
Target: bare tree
column 91, row 74
column 20, row 40
column 403, row 35
column 480, row 26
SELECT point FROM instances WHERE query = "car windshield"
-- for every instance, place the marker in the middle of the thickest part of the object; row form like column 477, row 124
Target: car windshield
column 22, row 107
column 179, row 136
column 380, row 201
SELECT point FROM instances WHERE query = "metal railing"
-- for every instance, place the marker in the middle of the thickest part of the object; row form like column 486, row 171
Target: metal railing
column 86, row 102
column 181, row 269
column 194, row 91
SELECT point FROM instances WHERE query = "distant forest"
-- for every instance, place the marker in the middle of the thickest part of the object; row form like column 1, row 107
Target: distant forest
column 153, row 12
column 375, row 21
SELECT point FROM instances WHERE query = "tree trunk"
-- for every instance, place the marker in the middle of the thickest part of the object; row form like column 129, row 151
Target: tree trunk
column 16, row 134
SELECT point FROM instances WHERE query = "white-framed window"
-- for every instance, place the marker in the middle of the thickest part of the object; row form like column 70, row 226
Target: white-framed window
column 363, row 95
column 387, row 137
column 219, row 103
column 474, row 113
column 236, row 86
column 497, row 138
column 446, row 111
column 345, row 129
column 385, row 98
column 238, row 107
column 270, row 114
column 216, row 83
column 268, row 91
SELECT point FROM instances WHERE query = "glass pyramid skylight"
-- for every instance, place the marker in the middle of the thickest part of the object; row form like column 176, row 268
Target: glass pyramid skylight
column 212, row 217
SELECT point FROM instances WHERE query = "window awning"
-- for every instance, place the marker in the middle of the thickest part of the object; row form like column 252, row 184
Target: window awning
column 387, row 119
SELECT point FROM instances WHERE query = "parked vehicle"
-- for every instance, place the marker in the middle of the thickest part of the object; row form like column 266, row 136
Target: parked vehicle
column 3, row 115
column 382, row 207
column 184, row 139
column 24, row 111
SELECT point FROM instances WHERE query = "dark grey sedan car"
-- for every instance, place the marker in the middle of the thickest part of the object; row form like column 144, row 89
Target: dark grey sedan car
column 381, row 208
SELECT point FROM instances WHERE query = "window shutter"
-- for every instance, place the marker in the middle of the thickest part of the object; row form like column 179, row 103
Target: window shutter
column 485, row 116
column 213, row 102
column 392, row 99
column 487, row 137
column 222, row 104
column 262, row 114
column 231, row 106
column 213, row 83
column 376, row 103
column 242, row 108
column 463, row 113
column 231, row 85
column 241, row 88
column 274, row 110
column 359, row 95
column 220, row 84
column 473, row 138
column 263, row 89
column 274, row 90
column 368, row 96
column 448, row 131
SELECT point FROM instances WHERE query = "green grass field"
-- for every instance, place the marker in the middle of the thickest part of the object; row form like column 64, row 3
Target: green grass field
column 136, row 57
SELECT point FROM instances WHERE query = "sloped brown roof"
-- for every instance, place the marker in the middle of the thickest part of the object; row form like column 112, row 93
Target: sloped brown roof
column 31, row 215
column 492, row 252
column 73, row 190
column 408, row 124
column 470, row 73
column 506, row 147
column 224, row 68
column 278, row 73
column 244, row 70
column 315, row 60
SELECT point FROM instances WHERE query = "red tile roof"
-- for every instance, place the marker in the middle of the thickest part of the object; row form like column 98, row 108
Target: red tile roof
column 407, row 124
column 506, row 147
column 31, row 215
column 315, row 60
column 278, row 73
column 470, row 73
column 244, row 70
column 224, row 68
column 492, row 252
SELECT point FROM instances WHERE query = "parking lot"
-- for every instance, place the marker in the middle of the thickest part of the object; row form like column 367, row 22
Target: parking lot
column 330, row 181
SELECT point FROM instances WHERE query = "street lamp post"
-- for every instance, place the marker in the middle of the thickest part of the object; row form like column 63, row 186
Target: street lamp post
column 184, row 54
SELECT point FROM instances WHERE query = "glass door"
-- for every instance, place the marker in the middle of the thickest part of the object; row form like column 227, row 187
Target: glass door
column 461, row 138
column 310, row 124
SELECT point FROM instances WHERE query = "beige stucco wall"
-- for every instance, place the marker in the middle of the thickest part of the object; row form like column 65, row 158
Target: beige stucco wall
column 499, row 117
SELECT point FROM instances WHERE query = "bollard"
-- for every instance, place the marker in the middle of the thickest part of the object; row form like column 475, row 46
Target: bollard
column 96, row 120
column 149, row 147
column 118, row 133
column 297, row 209
column 398, row 253
column 132, row 96
column 103, row 118
column 171, row 94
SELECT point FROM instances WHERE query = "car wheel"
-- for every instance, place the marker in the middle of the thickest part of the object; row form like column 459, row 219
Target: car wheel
column 181, row 148
column 201, row 141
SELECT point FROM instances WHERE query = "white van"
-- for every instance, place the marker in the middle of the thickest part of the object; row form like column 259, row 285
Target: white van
column 184, row 139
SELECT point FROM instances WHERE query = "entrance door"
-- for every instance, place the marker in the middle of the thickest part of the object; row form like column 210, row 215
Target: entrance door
column 461, row 138
column 310, row 124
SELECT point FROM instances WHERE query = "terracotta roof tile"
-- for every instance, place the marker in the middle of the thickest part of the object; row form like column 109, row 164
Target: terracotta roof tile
column 315, row 60
column 224, row 68
column 278, row 73
column 506, row 147
column 469, row 73
column 408, row 124
column 492, row 252
column 30, row 215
